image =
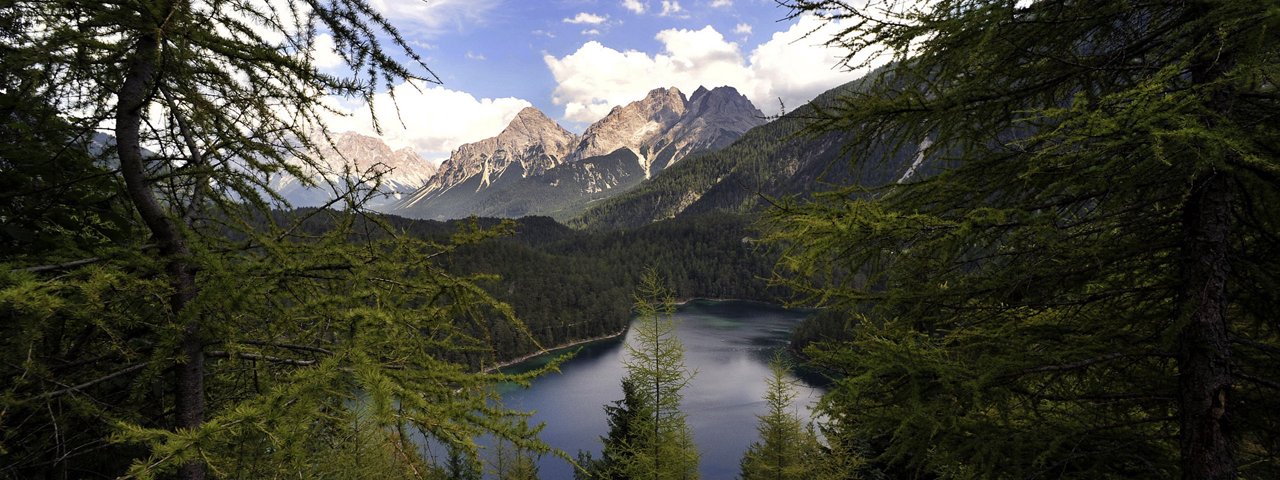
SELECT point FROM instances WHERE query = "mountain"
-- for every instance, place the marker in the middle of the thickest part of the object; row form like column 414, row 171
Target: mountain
column 776, row 159
column 531, row 144
column 560, row 175
column 353, row 155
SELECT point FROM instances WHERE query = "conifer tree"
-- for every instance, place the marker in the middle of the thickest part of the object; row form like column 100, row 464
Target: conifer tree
column 663, row 446
column 786, row 450
column 512, row 462
column 1076, row 281
column 189, row 328
column 460, row 465
column 624, row 431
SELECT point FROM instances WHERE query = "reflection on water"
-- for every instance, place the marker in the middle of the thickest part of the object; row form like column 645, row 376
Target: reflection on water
column 728, row 344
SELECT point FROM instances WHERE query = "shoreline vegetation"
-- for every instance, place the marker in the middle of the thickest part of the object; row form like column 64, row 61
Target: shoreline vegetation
column 576, row 343
column 530, row 356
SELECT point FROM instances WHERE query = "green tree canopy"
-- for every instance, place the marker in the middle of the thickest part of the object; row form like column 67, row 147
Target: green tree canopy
column 786, row 450
column 181, row 326
column 1078, row 281
column 648, row 436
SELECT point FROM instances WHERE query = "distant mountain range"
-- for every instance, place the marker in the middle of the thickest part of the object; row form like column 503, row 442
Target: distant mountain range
column 354, row 156
column 774, row 160
column 536, row 167
column 660, row 157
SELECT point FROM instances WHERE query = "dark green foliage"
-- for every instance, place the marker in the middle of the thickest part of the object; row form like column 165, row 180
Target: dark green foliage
column 663, row 445
column 823, row 326
column 460, row 466
column 512, row 462
column 55, row 196
column 624, row 421
column 569, row 285
column 648, row 436
column 786, row 450
column 157, row 320
column 1085, row 291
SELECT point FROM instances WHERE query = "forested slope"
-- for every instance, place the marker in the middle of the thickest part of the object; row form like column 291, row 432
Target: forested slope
column 567, row 285
column 776, row 159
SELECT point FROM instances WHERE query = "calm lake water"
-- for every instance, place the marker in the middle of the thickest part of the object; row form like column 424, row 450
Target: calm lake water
column 728, row 343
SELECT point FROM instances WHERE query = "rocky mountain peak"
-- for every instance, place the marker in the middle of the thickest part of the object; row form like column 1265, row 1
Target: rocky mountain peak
column 697, row 94
column 401, row 169
column 531, row 125
column 353, row 156
column 664, row 126
column 531, row 141
column 726, row 107
column 535, row 166
column 632, row 125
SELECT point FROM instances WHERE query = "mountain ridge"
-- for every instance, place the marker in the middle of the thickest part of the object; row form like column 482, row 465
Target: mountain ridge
column 628, row 145
column 346, row 156
column 777, row 159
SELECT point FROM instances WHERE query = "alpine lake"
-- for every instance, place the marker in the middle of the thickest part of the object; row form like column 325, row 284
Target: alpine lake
column 728, row 345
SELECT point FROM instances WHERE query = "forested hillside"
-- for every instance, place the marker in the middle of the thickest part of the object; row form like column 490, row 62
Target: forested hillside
column 567, row 285
column 776, row 159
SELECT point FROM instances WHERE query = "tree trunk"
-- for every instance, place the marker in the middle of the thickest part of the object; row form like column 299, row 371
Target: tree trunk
column 1204, row 349
column 135, row 94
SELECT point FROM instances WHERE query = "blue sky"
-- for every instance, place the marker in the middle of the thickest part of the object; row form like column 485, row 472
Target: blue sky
column 576, row 59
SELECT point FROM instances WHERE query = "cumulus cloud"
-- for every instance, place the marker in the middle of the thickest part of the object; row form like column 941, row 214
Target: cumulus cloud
column 595, row 78
column 789, row 66
column 636, row 6
column 436, row 120
column 586, row 18
column 742, row 29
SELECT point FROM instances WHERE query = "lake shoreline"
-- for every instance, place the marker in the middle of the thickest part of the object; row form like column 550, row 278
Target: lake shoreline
column 529, row 356
column 679, row 303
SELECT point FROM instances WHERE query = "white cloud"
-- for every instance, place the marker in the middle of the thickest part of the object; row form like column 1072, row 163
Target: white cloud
column 323, row 54
column 789, row 66
column 595, row 78
column 430, row 18
column 721, row 3
column 586, row 18
column 636, row 6
column 670, row 7
column 436, row 120
column 796, row 67
column 591, row 31
column 474, row 56
column 544, row 33
column 742, row 29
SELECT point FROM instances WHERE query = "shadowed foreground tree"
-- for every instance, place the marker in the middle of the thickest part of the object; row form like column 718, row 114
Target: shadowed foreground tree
column 1080, row 281
column 182, row 327
column 663, row 446
column 648, row 437
column 786, row 450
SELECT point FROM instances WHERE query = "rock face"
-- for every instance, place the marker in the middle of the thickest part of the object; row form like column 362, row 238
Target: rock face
column 536, row 167
column 713, row 120
column 664, row 126
column 354, row 156
column 533, row 141
column 774, row 160
column 636, row 126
